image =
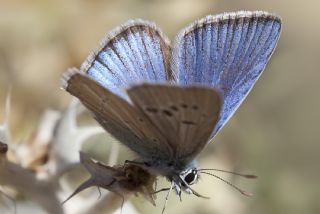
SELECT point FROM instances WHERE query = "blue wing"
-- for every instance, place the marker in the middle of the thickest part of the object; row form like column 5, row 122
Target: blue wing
column 227, row 51
column 133, row 53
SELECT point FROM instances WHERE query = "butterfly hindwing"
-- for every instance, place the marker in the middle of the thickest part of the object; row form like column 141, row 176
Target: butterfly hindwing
column 116, row 115
column 227, row 51
column 185, row 115
column 137, row 51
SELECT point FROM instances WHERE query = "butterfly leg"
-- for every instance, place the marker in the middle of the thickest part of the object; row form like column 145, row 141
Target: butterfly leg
column 178, row 190
column 180, row 193
column 167, row 197
column 160, row 190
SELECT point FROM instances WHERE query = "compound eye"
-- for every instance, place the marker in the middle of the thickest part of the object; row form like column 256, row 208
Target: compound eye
column 191, row 177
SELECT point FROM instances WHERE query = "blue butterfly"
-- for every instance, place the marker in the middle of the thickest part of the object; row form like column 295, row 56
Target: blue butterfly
column 167, row 102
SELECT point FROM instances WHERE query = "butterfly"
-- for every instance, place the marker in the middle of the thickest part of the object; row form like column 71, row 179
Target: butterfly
column 166, row 102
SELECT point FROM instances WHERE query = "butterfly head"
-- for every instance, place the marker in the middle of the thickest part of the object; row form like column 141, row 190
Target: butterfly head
column 184, row 179
column 189, row 177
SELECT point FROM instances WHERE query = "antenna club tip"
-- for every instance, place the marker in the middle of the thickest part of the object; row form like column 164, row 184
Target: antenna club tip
column 248, row 194
column 251, row 176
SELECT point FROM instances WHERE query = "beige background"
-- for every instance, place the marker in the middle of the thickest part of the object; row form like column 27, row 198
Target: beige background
column 274, row 134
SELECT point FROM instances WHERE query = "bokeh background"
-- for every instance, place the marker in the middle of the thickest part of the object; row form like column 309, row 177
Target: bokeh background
column 274, row 134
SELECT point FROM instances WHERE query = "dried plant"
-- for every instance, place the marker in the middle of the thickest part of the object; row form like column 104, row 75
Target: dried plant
column 36, row 167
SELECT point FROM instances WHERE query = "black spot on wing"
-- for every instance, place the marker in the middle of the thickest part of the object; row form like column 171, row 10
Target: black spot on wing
column 167, row 113
column 183, row 105
column 151, row 109
column 195, row 107
column 188, row 122
column 174, row 108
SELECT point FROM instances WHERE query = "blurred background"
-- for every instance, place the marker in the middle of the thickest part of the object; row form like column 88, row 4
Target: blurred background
column 274, row 134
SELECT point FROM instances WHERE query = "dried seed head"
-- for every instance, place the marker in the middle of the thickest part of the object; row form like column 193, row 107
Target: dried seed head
column 124, row 180
column 3, row 148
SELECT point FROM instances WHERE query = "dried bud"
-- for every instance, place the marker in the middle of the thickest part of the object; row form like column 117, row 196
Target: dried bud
column 3, row 148
column 124, row 180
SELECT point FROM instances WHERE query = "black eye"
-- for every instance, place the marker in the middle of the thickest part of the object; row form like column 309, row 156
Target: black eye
column 191, row 177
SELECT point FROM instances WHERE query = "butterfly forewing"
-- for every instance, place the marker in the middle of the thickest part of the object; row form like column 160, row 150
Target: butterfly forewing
column 137, row 51
column 116, row 115
column 185, row 115
column 227, row 51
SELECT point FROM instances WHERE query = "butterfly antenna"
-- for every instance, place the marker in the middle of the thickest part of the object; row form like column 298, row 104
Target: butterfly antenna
column 234, row 173
column 167, row 197
column 230, row 184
